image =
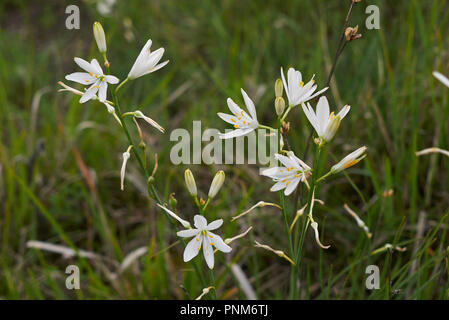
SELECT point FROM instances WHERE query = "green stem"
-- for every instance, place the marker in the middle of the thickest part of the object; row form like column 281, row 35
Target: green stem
column 300, row 242
column 286, row 113
column 212, row 284
column 120, row 85
column 152, row 189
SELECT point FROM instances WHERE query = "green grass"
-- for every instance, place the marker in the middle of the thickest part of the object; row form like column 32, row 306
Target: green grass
column 215, row 48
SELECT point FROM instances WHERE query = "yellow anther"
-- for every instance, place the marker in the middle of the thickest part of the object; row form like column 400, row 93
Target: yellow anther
column 301, row 83
column 211, row 243
column 210, row 236
column 233, row 120
column 236, row 125
column 90, row 73
column 199, row 247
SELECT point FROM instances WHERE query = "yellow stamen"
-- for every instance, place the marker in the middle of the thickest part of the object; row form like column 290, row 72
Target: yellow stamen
column 301, row 83
column 236, row 126
column 232, row 119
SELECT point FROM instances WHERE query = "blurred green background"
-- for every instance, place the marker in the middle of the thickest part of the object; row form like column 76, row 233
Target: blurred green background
column 60, row 161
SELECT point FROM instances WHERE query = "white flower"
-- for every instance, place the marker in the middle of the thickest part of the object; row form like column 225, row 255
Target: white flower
column 242, row 122
column 99, row 36
column 216, row 184
column 147, row 61
column 94, row 77
column 298, row 92
column 202, row 237
column 350, row 160
column 324, row 123
column 288, row 176
column 442, row 78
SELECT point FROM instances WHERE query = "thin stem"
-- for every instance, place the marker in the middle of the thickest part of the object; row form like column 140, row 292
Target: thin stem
column 212, row 284
column 261, row 126
column 120, row 85
column 286, row 113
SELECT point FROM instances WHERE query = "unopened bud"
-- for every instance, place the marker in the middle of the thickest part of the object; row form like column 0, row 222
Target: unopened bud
column 278, row 88
column 190, row 182
column 173, row 202
column 100, row 37
column 216, row 184
column 279, row 105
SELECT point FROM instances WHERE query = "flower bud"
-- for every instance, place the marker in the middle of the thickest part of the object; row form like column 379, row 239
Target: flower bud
column 190, row 182
column 332, row 127
column 278, row 88
column 350, row 160
column 216, row 184
column 279, row 105
column 99, row 36
column 172, row 200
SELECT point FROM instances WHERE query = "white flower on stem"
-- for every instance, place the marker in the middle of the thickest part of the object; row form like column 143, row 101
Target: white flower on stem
column 203, row 237
column 442, row 78
column 140, row 115
column 298, row 92
column 216, row 184
column 325, row 123
column 126, row 156
column 94, row 77
column 243, row 122
column 99, row 36
column 294, row 170
column 184, row 223
column 147, row 61
column 350, row 160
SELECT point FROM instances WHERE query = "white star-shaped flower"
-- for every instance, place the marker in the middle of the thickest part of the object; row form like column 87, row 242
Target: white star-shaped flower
column 203, row 238
column 294, row 170
column 298, row 92
column 94, row 77
column 243, row 122
column 324, row 122
column 147, row 61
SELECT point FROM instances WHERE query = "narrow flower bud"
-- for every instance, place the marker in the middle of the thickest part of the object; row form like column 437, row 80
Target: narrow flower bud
column 359, row 221
column 184, row 223
column 260, row 204
column 126, row 156
column 278, row 88
column 216, row 184
column 190, row 182
column 229, row 240
column 279, row 105
column 279, row 253
column 173, row 201
column 350, row 160
column 99, row 36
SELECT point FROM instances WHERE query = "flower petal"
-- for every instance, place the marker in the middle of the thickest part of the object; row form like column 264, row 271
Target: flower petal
column 322, row 113
column 214, row 224
column 218, row 243
column 102, row 91
column 187, row 233
column 81, row 77
column 442, row 78
column 83, row 64
column 200, row 222
column 112, row 79
column 291, row 186
column 192, row 248
column 208, row 252
column 249, row 105
column 94, row 63
column 285, row 85
column 235, row 133
column 90, row 93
